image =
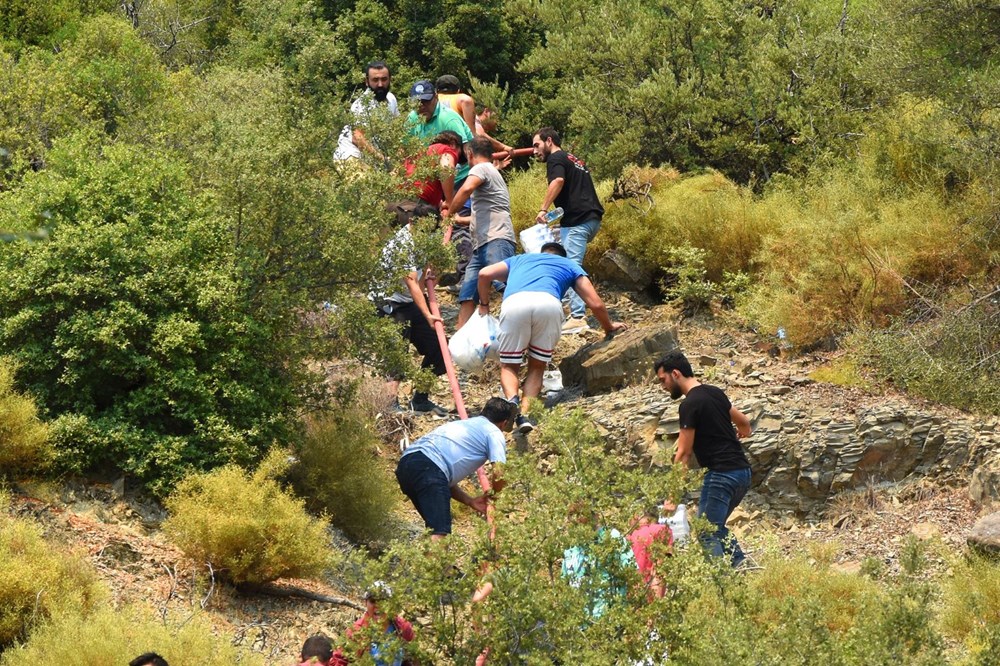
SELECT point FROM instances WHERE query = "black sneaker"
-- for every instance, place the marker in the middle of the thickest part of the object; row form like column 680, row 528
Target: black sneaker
column 427, row 406
column 524, row 424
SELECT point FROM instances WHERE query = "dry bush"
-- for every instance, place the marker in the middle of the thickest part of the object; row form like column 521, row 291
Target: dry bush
column 24, row 438
column 39, row 581
column 339, row 473
column 246, row 526
column 115, row 637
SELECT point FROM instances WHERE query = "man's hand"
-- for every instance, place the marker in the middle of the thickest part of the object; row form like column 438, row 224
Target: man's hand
column 743, row 431
column 479, row 504
column 617, row 326
column 541, row 217
column 433, row 318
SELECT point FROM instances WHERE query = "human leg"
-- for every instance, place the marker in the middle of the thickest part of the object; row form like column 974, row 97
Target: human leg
column 425, row 340
column 574, row 240
column 510, row 384
column 721, row 493
column 468, row 294
column 512, row 340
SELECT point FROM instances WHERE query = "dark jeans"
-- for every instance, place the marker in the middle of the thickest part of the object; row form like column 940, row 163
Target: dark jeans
column 427, row 487
column 418, row 332
column 721, row 493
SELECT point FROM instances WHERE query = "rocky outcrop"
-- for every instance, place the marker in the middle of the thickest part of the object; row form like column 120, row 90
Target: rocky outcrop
column 620, row 269
column 806, row 446
column 612, row 363
column 984, row 487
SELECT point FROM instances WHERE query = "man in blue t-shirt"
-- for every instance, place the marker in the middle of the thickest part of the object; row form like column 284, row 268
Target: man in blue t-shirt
column 531, row 315
column 430, row 469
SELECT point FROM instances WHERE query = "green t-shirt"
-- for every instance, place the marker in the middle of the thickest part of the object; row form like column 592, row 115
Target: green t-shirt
column 443, row 119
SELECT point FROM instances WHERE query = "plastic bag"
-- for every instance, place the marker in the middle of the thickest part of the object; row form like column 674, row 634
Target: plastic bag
column 534, row 237
column 474, row 342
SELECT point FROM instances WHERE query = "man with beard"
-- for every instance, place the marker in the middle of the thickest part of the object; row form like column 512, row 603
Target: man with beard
column 375, row 99
column 706, row 420
column 572, row 189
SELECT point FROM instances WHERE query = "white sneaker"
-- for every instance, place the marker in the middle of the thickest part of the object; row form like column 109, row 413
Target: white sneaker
column 574, row 325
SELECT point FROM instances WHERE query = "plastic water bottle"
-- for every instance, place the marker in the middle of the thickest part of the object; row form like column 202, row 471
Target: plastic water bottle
column 553, row 215
column 678, row 524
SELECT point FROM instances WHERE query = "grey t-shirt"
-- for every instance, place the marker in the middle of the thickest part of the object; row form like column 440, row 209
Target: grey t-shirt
column 490, row 207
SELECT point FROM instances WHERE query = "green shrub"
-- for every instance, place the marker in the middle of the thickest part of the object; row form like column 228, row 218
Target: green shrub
column 116, row 637
column 246, row 526
column 131, row 325
column 39, row 581
column 24, row 439
column 971, row 612
column 952, row 358
column 340, row 474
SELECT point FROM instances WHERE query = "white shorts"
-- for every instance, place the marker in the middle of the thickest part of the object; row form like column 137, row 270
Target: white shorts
column 529, row 321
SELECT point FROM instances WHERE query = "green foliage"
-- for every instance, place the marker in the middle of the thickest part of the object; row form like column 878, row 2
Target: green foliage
column 116, row 637
column 843, row 371
column 339, row 473
column 129, row 323
column 38, row 581
column 971, row 611
column 685, row 282
column 245, row 526
column 24, row 439
column 950, row 357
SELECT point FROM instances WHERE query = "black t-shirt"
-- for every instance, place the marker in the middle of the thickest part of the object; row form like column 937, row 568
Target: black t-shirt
column 577, row 198
column 706, row 409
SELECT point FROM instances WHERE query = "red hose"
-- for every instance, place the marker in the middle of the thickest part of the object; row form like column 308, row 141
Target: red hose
column 517, row 152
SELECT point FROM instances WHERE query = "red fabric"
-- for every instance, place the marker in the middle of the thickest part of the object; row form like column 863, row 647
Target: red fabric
column 432, row 192
column 641, row 539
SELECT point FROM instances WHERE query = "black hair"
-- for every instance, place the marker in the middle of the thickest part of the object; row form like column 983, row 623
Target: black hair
column 148, row 659
column 447, row 84
column 674, row 360
column 376, row 64
column 450, row 137
column 547, row 133
column 481, row 146
column 318, row 646
column 498, row 410
column 553, row 247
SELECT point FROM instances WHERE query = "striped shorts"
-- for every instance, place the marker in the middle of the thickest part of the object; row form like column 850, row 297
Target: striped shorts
column 530, row 321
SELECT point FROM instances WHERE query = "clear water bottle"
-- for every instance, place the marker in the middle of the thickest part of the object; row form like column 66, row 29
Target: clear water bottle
column 678, row 524
column 553, row 215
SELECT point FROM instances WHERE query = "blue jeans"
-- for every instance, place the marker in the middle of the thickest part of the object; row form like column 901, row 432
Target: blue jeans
column 493, row 252
column 721, row 493
column 575, row 240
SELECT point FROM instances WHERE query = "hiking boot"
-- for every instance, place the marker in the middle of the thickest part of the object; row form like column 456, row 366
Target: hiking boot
column 524, row 424
column 424, row 405
column 574, row 325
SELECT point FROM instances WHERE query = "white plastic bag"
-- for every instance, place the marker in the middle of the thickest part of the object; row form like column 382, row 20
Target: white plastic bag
column 474, row 342
column 535, row 236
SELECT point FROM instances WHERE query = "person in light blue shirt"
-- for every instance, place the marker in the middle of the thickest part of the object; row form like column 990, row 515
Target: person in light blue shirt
column 531, row 315
column 430, row 469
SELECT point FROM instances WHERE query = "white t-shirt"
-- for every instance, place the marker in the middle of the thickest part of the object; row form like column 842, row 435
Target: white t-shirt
column 362, row 110
column 400, row 244
column 460, row 448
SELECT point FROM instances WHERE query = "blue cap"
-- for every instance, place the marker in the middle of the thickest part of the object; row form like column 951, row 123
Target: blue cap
column 422, row 90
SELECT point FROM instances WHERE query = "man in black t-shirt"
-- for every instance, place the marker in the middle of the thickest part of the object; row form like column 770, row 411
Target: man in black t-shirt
column 707, row 419
column 572, row 189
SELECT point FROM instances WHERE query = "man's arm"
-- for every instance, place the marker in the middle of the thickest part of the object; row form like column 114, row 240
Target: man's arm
column 359, row 139
column 467, row 109
column 447, row 178
column 497, row 271
column 463, row 194
column 476, row 503
column 585, row 288
column 685, row 446
column 741, row 422
column 417, row 294
column 555, row 187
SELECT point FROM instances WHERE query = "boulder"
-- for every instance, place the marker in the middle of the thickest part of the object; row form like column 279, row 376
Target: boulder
column 985, row 534
column 984, row 487
column 610, row 363
column 620, row 269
